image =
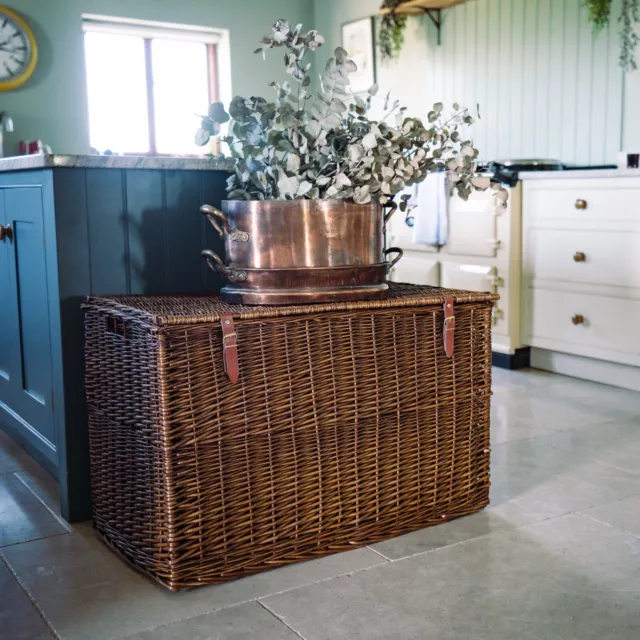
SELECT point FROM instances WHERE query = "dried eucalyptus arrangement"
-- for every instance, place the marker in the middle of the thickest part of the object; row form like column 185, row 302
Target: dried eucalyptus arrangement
column 600, row 15
column 323, row 145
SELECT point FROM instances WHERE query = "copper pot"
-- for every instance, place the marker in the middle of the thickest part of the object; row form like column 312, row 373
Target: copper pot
column 276, row 234
column 288, row 252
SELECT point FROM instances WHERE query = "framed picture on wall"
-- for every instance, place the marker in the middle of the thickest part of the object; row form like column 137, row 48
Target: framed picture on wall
column 359, row 41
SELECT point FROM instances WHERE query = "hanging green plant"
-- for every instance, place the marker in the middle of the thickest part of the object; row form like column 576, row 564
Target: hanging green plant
column 391, row 33
column 600, row 15
column 629, row 19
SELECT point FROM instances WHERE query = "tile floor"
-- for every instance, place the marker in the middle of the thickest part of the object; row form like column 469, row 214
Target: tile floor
column 555, row 557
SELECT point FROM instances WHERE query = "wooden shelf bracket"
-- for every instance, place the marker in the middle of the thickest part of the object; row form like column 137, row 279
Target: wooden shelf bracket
column 436, row 18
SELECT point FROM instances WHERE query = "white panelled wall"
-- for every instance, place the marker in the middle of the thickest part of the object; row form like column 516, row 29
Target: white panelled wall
column 546, row 85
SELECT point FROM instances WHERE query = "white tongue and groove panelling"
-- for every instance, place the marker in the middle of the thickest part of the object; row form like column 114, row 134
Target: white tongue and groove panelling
column 547, row 87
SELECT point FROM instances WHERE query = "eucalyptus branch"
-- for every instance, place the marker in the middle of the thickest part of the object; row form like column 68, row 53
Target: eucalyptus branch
column 309, row 145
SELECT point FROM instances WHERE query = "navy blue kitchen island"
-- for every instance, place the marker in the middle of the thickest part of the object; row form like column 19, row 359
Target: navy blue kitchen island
column 73, row 226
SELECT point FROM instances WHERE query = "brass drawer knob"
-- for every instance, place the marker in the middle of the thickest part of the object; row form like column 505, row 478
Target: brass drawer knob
column 577, row 319
column 5, row 232
column 579, row 257
column 581, row 204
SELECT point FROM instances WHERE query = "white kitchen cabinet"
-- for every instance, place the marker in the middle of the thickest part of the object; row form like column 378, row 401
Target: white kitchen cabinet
column 581, row 273
column 417, row 268
column 483, row 253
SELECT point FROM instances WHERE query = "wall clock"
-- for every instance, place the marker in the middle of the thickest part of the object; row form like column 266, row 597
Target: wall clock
column 18, row 51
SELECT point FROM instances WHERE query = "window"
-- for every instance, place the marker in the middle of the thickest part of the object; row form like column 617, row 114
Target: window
column 147, row 82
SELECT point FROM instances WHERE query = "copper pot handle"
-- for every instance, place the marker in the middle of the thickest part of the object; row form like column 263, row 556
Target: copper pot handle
column 211, row 213
column 215, row 262
column 393, row 263
column 217, row 265
column 393, row 206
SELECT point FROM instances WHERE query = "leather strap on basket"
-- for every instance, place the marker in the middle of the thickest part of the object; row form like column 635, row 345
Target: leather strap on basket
column 449, row 326
column 230, row 347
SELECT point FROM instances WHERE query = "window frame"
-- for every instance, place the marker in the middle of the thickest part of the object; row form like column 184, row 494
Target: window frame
column 216, row 42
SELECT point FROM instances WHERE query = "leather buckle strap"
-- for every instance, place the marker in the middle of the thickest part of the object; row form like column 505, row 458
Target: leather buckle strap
column 449, row 326
column 230, row 347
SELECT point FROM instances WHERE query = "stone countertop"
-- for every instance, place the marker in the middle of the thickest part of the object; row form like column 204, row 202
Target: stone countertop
column 579, row 173
column 171, row 163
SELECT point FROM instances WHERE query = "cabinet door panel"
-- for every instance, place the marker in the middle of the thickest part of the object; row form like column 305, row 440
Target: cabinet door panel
column 8, row 327
column 473, row 277
column 31, row 380
column 472, row 226
column 416, row 269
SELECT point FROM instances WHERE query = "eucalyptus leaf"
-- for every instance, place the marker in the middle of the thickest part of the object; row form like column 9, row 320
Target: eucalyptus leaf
column 341, row 55
column 202, row 137
column 369, row 141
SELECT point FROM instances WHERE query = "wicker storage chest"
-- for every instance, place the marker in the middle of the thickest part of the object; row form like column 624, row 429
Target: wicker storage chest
column 347, row 423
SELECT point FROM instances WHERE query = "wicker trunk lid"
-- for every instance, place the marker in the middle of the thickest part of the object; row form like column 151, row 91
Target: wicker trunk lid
column 348, row 424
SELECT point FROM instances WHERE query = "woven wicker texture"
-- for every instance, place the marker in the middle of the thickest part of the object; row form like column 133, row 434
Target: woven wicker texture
column 348, row 425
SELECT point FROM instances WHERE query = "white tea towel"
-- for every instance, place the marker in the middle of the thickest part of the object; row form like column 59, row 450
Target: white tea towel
column 431, row 210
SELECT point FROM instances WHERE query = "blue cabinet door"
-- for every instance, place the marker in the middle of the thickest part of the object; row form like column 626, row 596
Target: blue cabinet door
column 26, row 391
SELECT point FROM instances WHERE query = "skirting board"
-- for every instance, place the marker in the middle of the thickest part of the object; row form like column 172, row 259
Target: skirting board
column 612, row 373
column 518, row 360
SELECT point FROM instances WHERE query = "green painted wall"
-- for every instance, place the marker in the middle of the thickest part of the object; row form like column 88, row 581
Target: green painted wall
column 52, row 105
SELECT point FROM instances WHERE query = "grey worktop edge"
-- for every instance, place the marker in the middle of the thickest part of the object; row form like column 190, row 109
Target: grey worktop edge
column 52, row 161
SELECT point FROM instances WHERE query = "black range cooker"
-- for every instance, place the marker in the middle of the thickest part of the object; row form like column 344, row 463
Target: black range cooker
column 507, row 171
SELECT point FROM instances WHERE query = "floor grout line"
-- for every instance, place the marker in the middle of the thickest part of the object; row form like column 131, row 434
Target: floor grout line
column 60, row 520
column 249, row 600
column 608, row 524
column 277, row 617
column 16, row 544
column 33, row 602
column 380, row 554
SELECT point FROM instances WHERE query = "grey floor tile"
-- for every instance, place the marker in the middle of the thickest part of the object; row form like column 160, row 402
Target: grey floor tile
column 614, row 443
column 524, row 378
column 245, row 622
column 546, row 477
column 521, row 414
column 443, row 535
column 22, row 516
column 561, row 579
column 19, row 619
column 592, row 396
column 12, row 457
column 623, row 514
column 43, row 485
column 86, row 591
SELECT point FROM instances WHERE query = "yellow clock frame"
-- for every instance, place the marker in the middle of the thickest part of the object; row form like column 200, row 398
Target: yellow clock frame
column 18, row 81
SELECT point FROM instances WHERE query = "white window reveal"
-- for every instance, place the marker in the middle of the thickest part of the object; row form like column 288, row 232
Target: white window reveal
column 148, row 81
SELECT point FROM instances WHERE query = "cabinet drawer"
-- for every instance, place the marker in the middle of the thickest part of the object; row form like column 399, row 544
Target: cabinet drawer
column 593, row 257
column 609, row 323
column 414, row 269
column 586, row 203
